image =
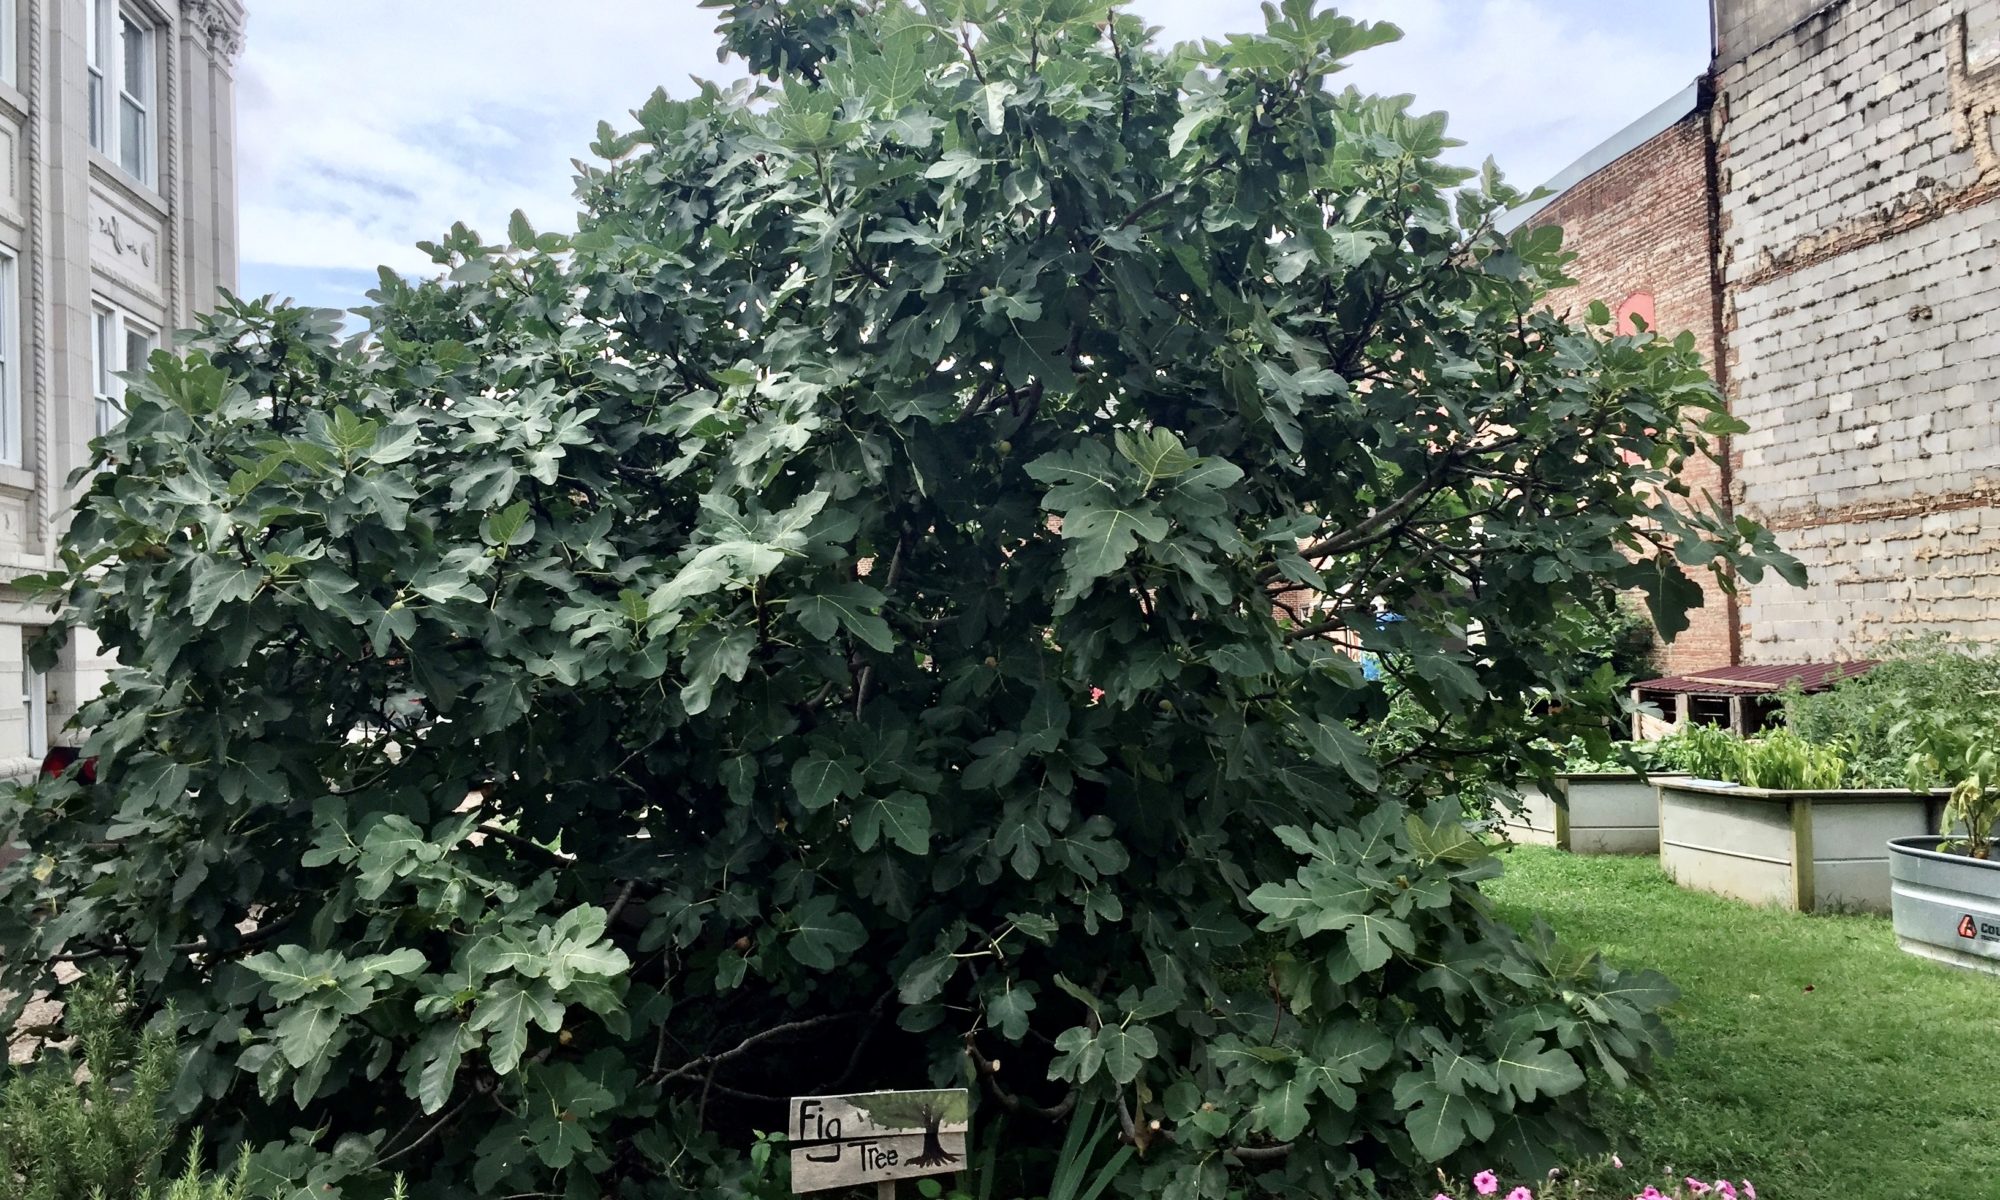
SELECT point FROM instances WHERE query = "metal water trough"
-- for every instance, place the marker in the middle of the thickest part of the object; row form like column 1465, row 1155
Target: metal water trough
column 1945, row 907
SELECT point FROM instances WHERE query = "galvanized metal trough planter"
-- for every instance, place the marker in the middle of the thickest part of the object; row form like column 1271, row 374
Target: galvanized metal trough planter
column 1592, row 812
column 1811, row 851
column 1945, row 906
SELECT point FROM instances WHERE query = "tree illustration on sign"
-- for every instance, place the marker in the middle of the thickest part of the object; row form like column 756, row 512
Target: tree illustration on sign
column 907, row 1110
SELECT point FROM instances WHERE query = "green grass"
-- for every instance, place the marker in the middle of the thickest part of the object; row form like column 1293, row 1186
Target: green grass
column 1814, row 1057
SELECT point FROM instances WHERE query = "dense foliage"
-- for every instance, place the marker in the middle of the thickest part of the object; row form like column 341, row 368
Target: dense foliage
column 1615, row 637
column 1589, row 755
column 1878, row 720
column 814, row 629
column 1966, row 759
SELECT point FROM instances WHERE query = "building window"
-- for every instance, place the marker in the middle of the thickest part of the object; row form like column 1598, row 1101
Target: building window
column 120, row 49
column 10, row 44
column 34, row 698
column 24, row 733
column 117, row 343
column 10, row 364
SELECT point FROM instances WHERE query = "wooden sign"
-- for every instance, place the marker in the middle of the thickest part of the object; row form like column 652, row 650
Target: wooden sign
column 876, row 1137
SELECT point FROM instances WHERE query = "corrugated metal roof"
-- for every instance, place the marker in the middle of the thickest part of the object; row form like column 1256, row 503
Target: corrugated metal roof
column 1758, row 679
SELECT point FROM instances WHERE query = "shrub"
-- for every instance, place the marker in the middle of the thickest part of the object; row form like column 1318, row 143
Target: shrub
column 1618, row 634
column 813, row 630
column 85, row 1120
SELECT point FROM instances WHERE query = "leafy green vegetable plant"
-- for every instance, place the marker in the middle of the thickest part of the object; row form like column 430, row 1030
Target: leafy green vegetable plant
column 828, row 624
column 1950, row 751
column 1780, row 759
column 1704, row 751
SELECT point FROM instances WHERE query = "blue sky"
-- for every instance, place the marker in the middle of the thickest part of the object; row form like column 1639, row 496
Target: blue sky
column 367, row 125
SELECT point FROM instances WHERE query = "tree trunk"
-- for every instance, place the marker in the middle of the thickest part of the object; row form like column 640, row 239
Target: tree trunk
column 934, row 1154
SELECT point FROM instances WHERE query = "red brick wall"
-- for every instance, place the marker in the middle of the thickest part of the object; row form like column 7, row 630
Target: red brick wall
column 1643, row 225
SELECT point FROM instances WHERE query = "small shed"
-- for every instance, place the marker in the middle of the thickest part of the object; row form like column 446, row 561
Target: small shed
column 1738, row 698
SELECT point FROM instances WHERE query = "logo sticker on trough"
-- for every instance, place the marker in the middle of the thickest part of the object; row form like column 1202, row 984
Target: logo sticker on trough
column 1972, row 929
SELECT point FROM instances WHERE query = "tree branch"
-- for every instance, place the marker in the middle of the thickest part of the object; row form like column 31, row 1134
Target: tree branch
column 989, row 1071
column 696, row 1068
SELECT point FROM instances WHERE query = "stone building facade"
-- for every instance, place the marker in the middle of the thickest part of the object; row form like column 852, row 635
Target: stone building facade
column 117, row 225
column 1852, row 192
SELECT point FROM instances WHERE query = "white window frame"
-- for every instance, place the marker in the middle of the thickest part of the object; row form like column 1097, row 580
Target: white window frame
column 110, row 330
column 10, row 44
column 34, row 697
column 12, row 419
column 104, row 60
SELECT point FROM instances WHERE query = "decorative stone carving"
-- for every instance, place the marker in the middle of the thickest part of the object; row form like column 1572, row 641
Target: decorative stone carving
column 220, row 21
column 127, row 240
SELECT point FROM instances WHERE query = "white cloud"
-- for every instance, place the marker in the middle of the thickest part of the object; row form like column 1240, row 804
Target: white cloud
column 367, row 125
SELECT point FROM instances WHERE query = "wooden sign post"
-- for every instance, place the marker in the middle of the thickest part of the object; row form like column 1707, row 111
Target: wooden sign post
column 877, row 1137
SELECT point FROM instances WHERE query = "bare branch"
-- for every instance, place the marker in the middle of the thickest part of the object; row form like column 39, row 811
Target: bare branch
column 703, row 1066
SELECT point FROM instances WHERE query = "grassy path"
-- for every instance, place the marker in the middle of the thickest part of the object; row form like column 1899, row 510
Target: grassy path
column 1814, row 1057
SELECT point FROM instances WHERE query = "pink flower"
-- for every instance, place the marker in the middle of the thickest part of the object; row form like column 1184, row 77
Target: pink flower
column 1617, row 1162
column 1487, row 1183
column 1697, row 1187
column 1725, row 1189
column 1440, row 1196
column 1097, row 694
column 1520, row 1193
column 1651, row 1193
column 1749, row 1192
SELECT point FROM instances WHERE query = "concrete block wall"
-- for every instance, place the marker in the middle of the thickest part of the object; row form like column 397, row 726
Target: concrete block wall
column 1742, row 26
column 1859, row 191
column 1642, row 227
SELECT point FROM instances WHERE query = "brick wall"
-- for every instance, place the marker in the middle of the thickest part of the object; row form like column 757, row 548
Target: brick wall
column 1642, row 227
column 1860, row 218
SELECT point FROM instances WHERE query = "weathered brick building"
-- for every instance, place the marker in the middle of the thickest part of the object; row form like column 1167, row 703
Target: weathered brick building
column 1824, row 214
column 1639, row 214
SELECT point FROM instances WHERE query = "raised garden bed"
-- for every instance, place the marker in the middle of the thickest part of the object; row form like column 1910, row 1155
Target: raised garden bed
column 1946, row 906
column 1806, row 850
column 1592, row 812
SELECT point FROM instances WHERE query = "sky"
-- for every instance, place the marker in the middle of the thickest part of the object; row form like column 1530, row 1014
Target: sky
column 365, row 126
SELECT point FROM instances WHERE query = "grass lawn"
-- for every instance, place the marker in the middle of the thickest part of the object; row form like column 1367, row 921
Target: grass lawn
column 1814, row 1057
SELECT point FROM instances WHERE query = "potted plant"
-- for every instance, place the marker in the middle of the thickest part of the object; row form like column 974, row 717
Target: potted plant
column 1945, row 889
